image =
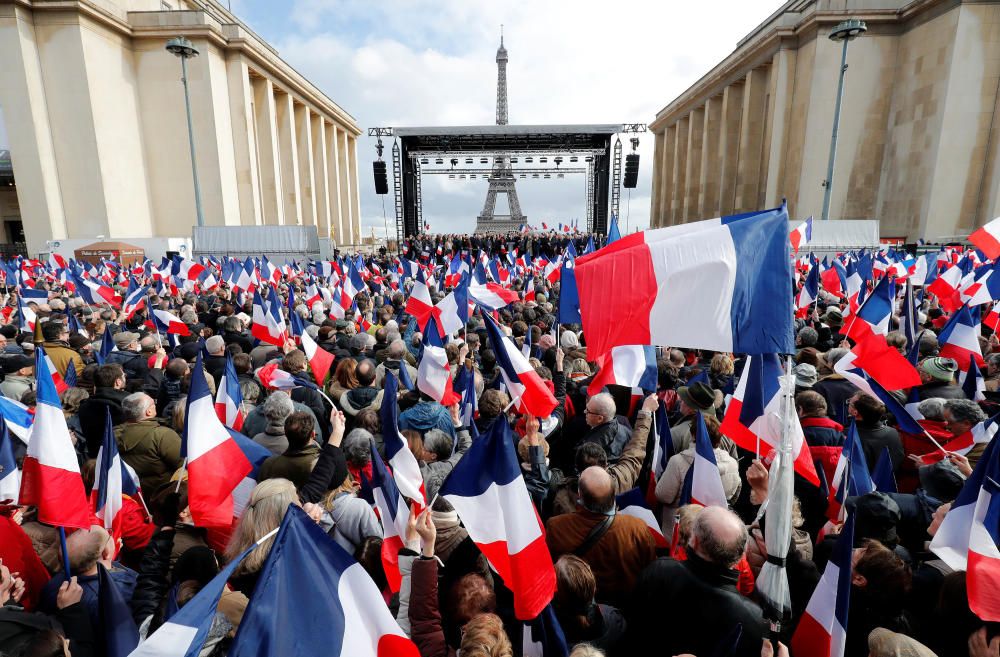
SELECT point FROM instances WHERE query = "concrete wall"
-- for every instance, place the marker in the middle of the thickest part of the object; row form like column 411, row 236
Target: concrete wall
column 95, row 112
column 917, row 149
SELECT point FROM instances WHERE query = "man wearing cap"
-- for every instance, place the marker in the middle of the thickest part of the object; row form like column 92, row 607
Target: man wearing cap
column 938, row 376
column 20, row 376
column 56, row 336
column 834, row 318
column 696, row 397
column 127, row 355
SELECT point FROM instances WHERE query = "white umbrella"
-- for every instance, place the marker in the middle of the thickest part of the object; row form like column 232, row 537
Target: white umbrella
column 772, row 583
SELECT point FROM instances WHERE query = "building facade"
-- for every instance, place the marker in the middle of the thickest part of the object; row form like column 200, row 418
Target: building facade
column 917, row 147
column 94, row 111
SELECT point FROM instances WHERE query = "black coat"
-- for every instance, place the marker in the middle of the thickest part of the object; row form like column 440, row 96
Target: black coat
column 612, row 436
column 135, row 364
column 314, row 400
column 18, row 626
column 691, row 607
column 875, row 438
column 244, row 341
column 836, row 390
column 93, row 412
column 216, row 367
column 940, row 390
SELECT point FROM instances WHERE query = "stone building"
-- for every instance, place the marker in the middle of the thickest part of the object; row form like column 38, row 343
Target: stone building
column 917, row 149
column 94, row 112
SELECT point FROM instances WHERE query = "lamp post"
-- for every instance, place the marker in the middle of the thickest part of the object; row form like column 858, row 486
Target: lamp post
column 844, row 32
column 185, row 50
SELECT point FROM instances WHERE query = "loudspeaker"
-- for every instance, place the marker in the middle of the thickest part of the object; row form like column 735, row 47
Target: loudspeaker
column 171, row 254
column 381, row 181
column 631, row 170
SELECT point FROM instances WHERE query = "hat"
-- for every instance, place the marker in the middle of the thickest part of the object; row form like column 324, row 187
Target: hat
column 13, row 363
column 546, row 341
column 833, row 316
column 340, row 324
column 77, row 341
column 886, row 643
column 698, row 396
column 941, row 369
column 941, row 480
column 568, row 340
column 805, row 375
column 125, row 338
column 876, row 516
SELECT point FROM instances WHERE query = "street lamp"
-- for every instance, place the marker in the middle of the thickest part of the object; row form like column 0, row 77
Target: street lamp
column 184, row 49
column 845, row 32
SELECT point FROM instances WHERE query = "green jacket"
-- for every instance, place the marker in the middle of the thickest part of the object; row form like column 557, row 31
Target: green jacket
column 294, row 465
column 153, row 451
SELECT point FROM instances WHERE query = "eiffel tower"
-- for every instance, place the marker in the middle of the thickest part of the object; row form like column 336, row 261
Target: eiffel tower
column 501, row 177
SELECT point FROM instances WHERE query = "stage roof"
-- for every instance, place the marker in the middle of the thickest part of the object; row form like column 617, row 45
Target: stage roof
column 508, row 130
column 590, row 139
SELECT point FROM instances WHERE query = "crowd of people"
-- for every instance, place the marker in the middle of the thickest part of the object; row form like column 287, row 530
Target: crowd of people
column 621, row 588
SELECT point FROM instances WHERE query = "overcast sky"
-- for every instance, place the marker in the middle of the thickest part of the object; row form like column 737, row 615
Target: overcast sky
column 431, row 62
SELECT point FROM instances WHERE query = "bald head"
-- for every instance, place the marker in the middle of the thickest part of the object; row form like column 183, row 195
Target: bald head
column 597, row 491
column 719, row 536
column 86, row 547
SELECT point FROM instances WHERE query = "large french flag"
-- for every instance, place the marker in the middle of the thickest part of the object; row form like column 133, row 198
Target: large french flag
column 112, row 479
column 135, row 298
column 968, row 537
column 801, row 235
column 730, row 279
column 632, row 365
column 521, row 379
column 264, row 326
column 309, row 581
column 419, row 304
column 397, row 451
column 987, row 239
column 453, row 310
column 320, row 360
column 874, row 314
column 229, row 397
column 50, row 477
column 809, row 292
column 751, row 414
column 959, row 339
column 822, row 631
column 492, row 296
column 488, row 492
column 394, row 513
column 215, row 463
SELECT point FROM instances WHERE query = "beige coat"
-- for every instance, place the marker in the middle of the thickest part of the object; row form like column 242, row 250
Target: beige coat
column 668, row 488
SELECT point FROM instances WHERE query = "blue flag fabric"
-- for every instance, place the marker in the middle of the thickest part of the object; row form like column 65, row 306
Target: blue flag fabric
column 543, row 636
column 882, row 477
column 119, row 634
column 613, row 233
column 569, row 298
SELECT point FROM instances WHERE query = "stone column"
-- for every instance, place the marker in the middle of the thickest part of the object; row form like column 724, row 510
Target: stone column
column 666, row 179
column 343, row 169
column 303, row 147
column 696, row 126
column 752, row 129
column 333, row 184
column 321, row 175
column 654, row 201
column 729, row 146
column 782, row 84
column 288, row 158
column 355, row 191
column 680, row 170
column 708, row 193
column 272, row 210
column 241, row 108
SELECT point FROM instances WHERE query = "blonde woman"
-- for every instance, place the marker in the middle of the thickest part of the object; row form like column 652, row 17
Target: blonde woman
column 268, row 503
column 347, row 518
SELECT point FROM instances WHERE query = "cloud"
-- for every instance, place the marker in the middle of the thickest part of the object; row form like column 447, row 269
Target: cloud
column 424, row 62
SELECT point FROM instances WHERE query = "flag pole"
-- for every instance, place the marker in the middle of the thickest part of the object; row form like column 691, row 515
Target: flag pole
column 65, row 553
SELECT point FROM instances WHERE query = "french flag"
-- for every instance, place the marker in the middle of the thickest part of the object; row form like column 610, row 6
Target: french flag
column 28, row 317
column 394, row 513
column 275, row 378
column 10, row 476
column 18, row 418
column 822, row 631
column 968, row 537
column 885, row 364
column 397, row 450
column 633, row 366
column 188, row 270
column 95, row 293
column 981, row 434
column 135, row 299
column 433, row 371
column 729, row 278
column 247, row 279
column 112, row 479
column 308, row 577
column 526, row 388
column 809, row 292
column 874, row 314
column 50, row 477
column 946, row 286
column 453, row 310
column 703, row 482
column 756, row 401
column 419, row 304
column 973, row 383
column 169, row 323
column 492, row 296
column 959, row 339
column 264, row 326
column 987, row 239
column 851, row 476
column 320, row 360
column 633, row 503
column 488, row 492
column 802, row 234
column 228, row 397
column 57, row 379
column 215, row 463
